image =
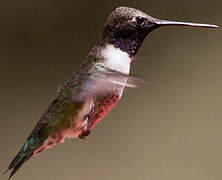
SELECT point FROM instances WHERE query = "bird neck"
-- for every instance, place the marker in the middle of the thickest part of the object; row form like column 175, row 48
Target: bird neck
column 126, row 39
column 108, row 56
column 116, row 59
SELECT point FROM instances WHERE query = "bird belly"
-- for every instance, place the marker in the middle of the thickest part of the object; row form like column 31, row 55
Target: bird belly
column 103, row 105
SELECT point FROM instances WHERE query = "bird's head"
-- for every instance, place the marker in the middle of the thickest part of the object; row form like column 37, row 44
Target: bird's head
column 126, row 28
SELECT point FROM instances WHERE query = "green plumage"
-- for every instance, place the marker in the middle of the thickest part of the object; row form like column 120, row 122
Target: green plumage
column 59, row 116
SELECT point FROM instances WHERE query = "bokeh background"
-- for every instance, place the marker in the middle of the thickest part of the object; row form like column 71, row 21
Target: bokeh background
column 168, row 130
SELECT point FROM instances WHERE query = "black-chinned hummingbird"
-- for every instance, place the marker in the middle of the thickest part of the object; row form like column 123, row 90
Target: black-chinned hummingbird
column 91, row 92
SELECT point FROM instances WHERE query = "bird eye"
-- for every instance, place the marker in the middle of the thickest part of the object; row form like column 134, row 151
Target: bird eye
column 140, row 21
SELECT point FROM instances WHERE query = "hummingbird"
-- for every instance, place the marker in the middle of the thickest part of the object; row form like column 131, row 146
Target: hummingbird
column 97, row 86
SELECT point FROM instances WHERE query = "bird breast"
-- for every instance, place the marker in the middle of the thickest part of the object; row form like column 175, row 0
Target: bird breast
column 116, row 59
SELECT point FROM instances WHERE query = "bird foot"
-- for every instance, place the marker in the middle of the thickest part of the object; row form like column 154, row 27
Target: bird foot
column 84, row 134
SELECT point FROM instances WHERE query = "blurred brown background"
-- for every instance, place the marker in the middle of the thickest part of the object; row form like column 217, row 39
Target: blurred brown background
column 168, row 130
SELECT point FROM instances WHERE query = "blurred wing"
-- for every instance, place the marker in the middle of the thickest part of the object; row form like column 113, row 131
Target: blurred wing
column 100, row 83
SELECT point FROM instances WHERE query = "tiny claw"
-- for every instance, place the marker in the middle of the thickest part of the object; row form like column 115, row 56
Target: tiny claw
column 84, row 134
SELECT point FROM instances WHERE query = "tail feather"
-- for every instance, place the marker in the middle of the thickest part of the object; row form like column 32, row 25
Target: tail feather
column 23, row 155
column 35, row 140
column 18, row 162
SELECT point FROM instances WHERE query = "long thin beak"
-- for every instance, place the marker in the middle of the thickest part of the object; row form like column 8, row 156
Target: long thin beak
column 175, row 23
